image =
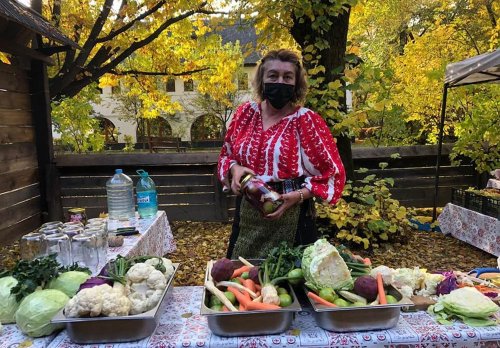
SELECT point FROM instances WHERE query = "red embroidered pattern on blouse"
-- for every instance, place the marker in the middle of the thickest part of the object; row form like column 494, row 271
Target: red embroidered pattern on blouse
column 299, row 144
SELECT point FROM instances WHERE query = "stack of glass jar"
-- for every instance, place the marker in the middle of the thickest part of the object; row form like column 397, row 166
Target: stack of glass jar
column 71, row 241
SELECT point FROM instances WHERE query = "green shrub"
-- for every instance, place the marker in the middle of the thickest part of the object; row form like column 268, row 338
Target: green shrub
column 366, row 215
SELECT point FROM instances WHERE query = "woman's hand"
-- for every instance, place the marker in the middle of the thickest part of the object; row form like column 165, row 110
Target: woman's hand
column 237, row 172
column 289, row 200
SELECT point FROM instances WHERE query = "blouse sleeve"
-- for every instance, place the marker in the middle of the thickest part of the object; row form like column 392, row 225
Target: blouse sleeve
column 325, row 175
column 226, row 156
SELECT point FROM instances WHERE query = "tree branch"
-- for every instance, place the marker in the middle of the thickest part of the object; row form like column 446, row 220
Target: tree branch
column 154, row 73
column 127, row 26
column 67, row 78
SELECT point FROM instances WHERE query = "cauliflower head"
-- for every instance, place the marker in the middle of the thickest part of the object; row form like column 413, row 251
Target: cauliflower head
column 114, row 302
column 145, row 285
column 87, row 302
column 139, row 272
column 169, row 267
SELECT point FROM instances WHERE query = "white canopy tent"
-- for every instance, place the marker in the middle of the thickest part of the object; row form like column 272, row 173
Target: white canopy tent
column 484, row 68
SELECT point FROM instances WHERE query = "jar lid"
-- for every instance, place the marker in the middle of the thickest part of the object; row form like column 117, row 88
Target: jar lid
column 76, row 210
column 245, row 179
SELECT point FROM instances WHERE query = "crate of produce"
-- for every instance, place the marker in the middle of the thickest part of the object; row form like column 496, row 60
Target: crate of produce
column 249, row 322
column 94, row 330
column 360, row 317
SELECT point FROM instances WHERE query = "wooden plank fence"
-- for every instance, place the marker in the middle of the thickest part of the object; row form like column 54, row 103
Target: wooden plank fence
column 20, row 203
column 189, row 191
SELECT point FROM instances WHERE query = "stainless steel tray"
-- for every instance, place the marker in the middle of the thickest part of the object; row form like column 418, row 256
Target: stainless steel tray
column 115, row 329
column 361, row 318
column 249, row 323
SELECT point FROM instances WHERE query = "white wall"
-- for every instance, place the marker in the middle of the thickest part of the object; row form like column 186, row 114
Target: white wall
column 180, row 123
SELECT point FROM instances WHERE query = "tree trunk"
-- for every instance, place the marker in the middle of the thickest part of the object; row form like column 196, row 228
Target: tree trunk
column 331, row 58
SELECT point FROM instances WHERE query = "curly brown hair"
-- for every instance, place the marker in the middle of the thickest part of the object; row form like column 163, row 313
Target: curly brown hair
column 300, row 74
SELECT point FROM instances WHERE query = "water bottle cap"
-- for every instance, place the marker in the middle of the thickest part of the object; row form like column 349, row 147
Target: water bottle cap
column 142, row 172
column 118, row 171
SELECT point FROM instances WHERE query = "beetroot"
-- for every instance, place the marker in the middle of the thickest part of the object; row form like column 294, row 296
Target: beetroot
column 222, row 270
column 254, row 274
column 366, row 286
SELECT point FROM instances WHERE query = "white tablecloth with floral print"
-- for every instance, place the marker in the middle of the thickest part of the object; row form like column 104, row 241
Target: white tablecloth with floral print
column 155, row 238
column 181, row 325
column 479, row 230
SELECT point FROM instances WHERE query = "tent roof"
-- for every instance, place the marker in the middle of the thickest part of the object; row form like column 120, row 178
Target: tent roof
column 479, row 69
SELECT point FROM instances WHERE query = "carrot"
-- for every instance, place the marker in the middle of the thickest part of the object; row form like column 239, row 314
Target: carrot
column 258, row 287
column 381, row 292
column 242, row 299
column 225, row 309
column 257, row 306
column 239, row 271
column 249, row 284
column 367, row 261
column 248, row 304
column 319, row 300
column 242, row 308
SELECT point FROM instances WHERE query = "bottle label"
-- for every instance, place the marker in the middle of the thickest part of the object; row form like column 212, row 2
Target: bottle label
column 146, row 198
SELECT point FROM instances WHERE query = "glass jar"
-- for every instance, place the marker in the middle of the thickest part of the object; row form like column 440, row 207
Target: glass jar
column 72, row 231
column 77, row 214
column 260, row 195
column 32, row 246
column 85, row 252
column 59, row 243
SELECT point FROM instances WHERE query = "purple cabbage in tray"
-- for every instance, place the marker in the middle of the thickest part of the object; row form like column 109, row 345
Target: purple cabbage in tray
column 94, row 281
column 448, row 284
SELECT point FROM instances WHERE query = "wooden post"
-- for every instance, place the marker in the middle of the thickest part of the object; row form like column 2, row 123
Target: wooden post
column 40, row 105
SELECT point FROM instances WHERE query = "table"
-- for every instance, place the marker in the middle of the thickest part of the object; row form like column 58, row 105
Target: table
column 493, row 183
column 155, row 238
column 181, row 325
column 474, row 228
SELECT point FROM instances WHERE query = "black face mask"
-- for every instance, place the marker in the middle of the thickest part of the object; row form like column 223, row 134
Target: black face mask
column 278, row 94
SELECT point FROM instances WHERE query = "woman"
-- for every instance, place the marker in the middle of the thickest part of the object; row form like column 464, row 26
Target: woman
column 289, row 147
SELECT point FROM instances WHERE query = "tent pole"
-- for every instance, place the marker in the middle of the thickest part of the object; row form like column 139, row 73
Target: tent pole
column 440, row 147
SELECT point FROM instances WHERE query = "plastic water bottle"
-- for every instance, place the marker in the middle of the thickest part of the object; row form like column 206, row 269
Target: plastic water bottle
column 147, row 202
column 120, row 192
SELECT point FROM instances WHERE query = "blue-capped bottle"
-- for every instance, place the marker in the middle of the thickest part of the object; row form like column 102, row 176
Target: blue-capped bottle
column 120, row 196
column 147, row 199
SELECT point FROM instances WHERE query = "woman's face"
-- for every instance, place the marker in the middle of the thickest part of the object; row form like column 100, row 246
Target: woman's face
column 276, row 71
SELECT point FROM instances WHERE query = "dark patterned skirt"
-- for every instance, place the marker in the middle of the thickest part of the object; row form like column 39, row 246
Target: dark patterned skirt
column 253, row 236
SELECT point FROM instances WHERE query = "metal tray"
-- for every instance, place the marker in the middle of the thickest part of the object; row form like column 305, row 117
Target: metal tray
column 115, row 329
column 249, row 323
column 360, row 318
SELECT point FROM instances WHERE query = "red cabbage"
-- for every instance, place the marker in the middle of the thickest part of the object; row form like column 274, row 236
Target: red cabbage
column 448, row 284
column 94, row 281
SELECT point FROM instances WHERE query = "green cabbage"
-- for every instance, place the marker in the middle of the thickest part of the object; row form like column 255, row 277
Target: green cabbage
column 467, row 304
column 324, row 267
column 8, row 303
column 37, row 309
column 69, row 282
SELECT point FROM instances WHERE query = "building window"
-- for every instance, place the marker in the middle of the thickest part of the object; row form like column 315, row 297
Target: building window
column 170, row 85
column 188, row 85
column 242, row 81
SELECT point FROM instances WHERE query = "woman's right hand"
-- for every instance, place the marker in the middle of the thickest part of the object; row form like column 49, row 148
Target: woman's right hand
column 237, row 172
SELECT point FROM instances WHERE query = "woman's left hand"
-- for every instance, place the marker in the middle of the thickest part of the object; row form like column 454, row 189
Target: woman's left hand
column 289, row 200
